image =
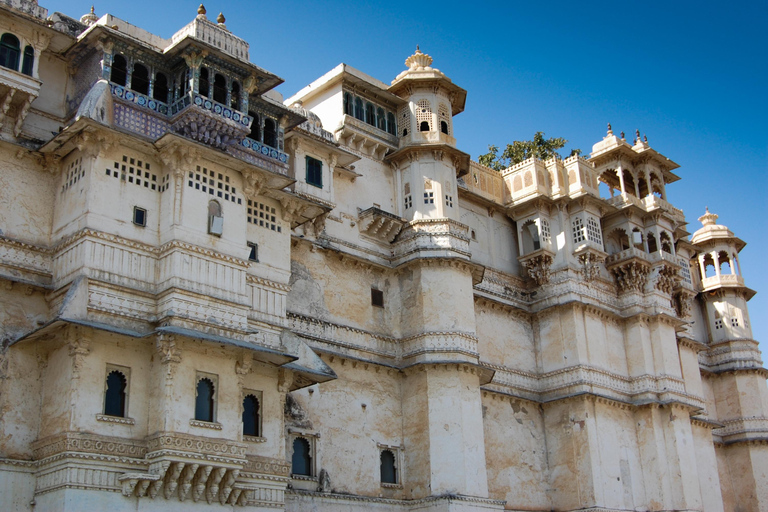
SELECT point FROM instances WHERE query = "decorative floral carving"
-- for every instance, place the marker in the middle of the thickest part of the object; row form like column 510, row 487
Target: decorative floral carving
column 590, row 265
column 682, row 301
column 667, row 277
column 631, row 276
column 538, row 268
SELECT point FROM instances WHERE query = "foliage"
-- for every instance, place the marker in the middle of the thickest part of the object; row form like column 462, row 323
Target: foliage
column 521, row 150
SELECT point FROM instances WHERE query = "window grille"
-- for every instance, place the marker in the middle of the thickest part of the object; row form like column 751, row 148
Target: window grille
column 546, row 237
column 578, row 231
column 593, row 231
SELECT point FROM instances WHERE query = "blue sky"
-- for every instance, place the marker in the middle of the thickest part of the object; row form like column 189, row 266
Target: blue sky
column 690, row 75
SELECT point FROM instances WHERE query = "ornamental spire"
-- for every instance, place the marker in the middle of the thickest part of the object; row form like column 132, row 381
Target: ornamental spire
column 708, row 219
column 418, row 60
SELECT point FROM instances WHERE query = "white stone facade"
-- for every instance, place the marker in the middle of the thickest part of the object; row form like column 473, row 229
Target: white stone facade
column 215, row 300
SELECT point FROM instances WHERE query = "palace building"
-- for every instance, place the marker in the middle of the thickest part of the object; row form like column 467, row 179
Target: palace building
column 214, row 298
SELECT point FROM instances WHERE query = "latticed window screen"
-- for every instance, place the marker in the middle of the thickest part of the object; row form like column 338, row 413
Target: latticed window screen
column 593, row 231
column 546, row 237
column 444, row 115
column 685, row 270
column 578, row 231
column 424, row 112
column 404, row 119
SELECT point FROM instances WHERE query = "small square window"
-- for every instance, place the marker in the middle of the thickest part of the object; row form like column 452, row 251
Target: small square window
column 254, row 254
column 139, row 216
column 377, row 297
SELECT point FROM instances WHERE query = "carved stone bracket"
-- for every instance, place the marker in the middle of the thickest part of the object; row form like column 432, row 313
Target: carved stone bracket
column 170, row 353
column 591, row 263
column 631, row 275
column 682, row 301
column 379, row 224
column 254, row 183
column 667, row 278
column 537, row 265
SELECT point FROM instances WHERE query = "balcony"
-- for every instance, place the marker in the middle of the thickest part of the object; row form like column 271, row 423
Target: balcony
column 434, row 138
column 381, row 225
column 204, row 120
column 724, row 280
column 366, row 138
column 630, row 268
column 17, row 92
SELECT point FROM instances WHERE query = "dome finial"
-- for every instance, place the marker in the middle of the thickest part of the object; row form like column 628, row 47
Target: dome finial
column 90, row 18
column 708, row 219
column 220, row 18
column 418, row 60
column 610, row 130
column 201, row 10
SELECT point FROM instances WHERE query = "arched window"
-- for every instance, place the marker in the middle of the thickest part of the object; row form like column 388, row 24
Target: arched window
column 629, row 183
column 119, row 70
column 530, row 236
column 270, row 133
column 255, row 126
column 424, row 126
column 709, row 266
column 370, row 116
column 9, row 51
column 140, row 79
column 160, row 90
column 220, row 88
column 391, row 126
column 381, row 120
column 348, row 104
column 234, row 97
column 388, row 467
column 666, row 242
column 114, row 399
column 725, row 263
column 29, row 60
column 359, row 113
column 251, row 416
column 652, row 245
column 203, row 85
column 301, row 462
column 215, row 218
column 204, row 399
column 637, row 239
column 444, row 127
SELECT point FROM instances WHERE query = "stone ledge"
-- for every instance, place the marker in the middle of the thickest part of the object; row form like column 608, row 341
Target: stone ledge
column 206, row 424
column 115, row 419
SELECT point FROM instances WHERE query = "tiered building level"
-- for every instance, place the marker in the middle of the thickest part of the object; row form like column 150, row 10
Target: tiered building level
column 214, row 299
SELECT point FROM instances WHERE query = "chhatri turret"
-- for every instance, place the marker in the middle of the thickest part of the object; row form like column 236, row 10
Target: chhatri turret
column 427, row 161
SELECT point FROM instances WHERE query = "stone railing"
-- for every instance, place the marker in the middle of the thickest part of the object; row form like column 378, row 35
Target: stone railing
column 367, row 130
column 722, row 280
column 626, row 254
column 136, row 98
column 264, row 150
